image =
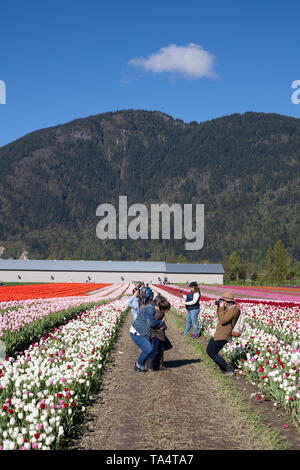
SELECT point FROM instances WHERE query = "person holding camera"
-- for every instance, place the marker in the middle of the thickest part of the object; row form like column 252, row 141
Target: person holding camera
column 192, row 305
column 228, row 313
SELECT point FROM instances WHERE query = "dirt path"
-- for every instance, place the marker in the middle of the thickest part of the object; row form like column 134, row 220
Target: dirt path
column 180, row 408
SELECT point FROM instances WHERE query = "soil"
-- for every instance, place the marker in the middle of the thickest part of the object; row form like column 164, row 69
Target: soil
column 180, row 408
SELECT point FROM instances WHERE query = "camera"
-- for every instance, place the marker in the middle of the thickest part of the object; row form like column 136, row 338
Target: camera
column 217, row 302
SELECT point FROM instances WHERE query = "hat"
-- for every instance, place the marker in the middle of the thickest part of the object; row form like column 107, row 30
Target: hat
column 193, row 284
column 228, row 296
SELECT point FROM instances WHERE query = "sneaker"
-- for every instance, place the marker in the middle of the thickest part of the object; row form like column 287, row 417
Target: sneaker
column 138, row 369
column 229, row 371
column 194, row 336
column 183, row 334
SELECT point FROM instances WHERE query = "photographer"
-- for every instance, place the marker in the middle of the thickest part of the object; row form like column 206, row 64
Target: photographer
column 228, row 314
column 192, row 306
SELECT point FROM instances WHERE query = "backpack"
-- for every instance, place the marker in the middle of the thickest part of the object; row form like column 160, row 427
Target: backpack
column 240, row 326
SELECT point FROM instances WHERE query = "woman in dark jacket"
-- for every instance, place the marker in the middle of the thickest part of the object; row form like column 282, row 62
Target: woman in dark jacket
column 158, row 340
column 158, row 337
column 141, row 329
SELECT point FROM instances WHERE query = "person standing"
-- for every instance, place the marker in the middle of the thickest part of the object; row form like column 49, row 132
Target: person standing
column 134, row 303
column 140, row 333
column 228, row 313
column 144, row 294
column 192, row 305
column 148, row 294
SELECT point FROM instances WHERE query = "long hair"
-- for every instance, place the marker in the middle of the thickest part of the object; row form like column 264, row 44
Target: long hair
column 157, row 299
column 164, row 305
column 195, row 286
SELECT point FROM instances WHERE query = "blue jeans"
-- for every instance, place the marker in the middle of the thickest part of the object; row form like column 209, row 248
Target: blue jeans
column 134, row 314
column 147, row 349
column 212, row 350
column 192, row 317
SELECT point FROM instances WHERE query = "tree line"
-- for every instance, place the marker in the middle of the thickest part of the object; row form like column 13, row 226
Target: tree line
column 277, row 267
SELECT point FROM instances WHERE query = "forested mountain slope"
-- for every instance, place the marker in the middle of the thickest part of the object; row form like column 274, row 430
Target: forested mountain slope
column 243, row 168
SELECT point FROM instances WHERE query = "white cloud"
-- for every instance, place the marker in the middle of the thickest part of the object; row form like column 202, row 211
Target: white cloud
column 190, row 61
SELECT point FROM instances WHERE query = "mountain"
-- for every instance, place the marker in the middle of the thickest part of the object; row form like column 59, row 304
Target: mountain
column 243, row 168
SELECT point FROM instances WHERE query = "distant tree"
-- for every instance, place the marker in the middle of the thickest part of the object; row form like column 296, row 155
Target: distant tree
column 242, row 272
column 234, row 264
column 280, row 262
column 254, row 277
column 269, row 261
column 181, row 259
column 290, row 276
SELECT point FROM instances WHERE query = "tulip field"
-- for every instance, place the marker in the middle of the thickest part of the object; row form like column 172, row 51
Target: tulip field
column 268, row 353
column 46, row 291
column 277, row 294
column 45, row 386
column 56, row 348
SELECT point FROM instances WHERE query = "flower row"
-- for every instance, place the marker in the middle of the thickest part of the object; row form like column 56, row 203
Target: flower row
column 45, row 291
column 45, row 387
column 15, row 315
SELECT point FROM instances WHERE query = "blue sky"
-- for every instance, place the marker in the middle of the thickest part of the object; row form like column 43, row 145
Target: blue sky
column 65, row 59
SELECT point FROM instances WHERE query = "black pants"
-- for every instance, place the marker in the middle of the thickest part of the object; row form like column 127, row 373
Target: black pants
column 158, row 350
column 212, row 350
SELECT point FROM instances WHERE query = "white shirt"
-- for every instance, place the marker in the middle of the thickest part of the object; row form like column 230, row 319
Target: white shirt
column 196, row 296
column 133, row 331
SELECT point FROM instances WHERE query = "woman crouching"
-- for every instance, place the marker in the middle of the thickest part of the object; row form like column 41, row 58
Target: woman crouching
column 140, row 332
